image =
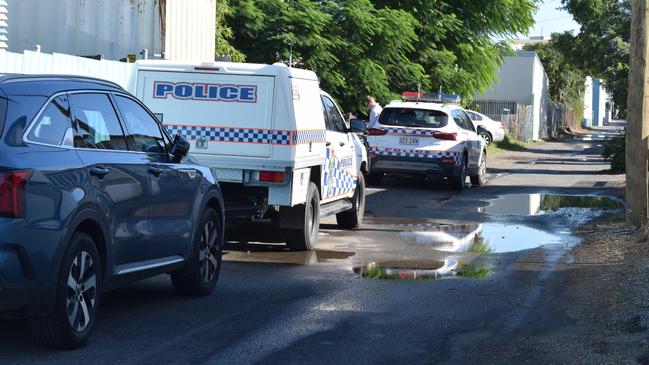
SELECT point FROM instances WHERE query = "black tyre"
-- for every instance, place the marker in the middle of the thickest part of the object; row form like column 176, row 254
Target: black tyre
column 305, row 238
column 78, row 294
column 481, row 177
column 200, row 275
column 459, row 178
column 354, row 217
column 374, row 178
column 487, row 137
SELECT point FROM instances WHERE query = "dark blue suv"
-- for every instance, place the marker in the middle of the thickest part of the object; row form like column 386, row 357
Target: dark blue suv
column 94, row 194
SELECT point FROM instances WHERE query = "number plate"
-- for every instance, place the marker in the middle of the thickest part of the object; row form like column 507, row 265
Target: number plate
column 409, row 141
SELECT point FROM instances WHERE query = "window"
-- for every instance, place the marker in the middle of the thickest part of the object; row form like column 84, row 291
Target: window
column 336, row 123
column 3, row 112
column 53, row 124
column 467, row 121
column 409, row 117
column 474, row 116
column 96, row 123
column 142, row 129
column 459, row 119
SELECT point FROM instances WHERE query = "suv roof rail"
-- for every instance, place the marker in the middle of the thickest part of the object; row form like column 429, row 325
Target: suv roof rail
column 6, row 78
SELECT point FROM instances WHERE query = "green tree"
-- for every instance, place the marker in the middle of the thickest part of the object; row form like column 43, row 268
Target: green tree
column 381, row 47
column 223, row 33
column 601, row 48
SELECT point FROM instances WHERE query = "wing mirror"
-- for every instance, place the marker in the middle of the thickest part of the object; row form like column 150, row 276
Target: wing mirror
column 358, row 125
column 179, row 149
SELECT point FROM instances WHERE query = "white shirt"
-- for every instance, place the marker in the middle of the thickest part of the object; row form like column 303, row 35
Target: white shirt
column 374, row 115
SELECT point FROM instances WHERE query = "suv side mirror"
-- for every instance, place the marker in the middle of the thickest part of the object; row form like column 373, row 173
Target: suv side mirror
column 179, row 148
column 358, row 125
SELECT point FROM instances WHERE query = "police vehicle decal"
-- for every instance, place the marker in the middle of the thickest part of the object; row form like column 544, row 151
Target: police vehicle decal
column 337, row 179
column 410, row 131
column 205, row 92
column 247, row 135
column 405, row 152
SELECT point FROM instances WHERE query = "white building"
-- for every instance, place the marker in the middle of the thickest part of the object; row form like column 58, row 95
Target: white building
column 522, row 78
column 595, row 99
column 182, row 30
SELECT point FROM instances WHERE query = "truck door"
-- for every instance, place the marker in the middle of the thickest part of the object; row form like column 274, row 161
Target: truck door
column 338, row 175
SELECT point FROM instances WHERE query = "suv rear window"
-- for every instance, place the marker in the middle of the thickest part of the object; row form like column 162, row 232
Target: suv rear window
column 408, row 117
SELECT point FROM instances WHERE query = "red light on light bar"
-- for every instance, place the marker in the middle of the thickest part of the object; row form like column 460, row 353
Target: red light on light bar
column 446, row 136
column 276, row 177
column 376, row 132
column 12, row 193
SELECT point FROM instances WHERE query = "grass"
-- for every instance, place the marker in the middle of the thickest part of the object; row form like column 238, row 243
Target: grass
column 508, row 144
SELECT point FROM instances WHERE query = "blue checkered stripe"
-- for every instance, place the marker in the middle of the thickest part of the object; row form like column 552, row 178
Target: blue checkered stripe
column 410, row 131
column 308, row 136
column 246, row 135
column 401, row 152
column 337, row 181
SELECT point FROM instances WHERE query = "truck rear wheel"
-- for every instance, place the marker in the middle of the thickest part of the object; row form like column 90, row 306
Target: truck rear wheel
column 305, row 238
column 354, row 217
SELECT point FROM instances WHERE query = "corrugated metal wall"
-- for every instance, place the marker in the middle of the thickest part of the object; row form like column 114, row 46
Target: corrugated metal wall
column 190, row 30
column 3, row 24
column 60, row 64
column 113, row 28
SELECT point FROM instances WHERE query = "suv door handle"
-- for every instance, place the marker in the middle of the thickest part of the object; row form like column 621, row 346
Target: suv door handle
column 155, row 170
column 99, row 171
column 342, row 144
column 328, row 144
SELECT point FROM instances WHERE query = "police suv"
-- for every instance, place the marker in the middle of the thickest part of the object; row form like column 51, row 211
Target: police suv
column 428, row 135
column 277, row 144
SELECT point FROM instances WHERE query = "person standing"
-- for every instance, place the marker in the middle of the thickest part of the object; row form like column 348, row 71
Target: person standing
column 375, row 111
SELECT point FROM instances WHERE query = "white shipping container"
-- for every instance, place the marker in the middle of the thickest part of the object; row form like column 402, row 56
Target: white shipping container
column 114, row 28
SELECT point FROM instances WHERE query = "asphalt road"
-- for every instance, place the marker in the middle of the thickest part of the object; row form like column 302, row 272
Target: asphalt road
column 273, row 306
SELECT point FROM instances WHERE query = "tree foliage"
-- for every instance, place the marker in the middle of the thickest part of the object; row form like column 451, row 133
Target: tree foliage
column 380, row 47
column 601, row 48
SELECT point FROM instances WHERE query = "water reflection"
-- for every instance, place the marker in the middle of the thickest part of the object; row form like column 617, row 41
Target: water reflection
column 482, row 238
column 533, row 204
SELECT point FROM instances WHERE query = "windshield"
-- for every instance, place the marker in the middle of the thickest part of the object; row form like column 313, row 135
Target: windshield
column 407, row 117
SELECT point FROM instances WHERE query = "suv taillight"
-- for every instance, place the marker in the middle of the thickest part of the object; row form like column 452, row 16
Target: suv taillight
column 12, row 193
column 446, row 136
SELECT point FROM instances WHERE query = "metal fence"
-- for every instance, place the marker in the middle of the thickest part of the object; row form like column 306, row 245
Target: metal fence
column 516, row 118
column 560, row 118
column 494, row 109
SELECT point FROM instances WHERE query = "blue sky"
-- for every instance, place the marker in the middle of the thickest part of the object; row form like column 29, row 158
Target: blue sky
column 550, row 20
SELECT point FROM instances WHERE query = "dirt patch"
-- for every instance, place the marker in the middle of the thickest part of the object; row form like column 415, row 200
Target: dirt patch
column 603, row 288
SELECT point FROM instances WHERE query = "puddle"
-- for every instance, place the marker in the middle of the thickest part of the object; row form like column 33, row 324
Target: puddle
column 408, row 270
column 533, row 204
column 264, row 254
column 483, row 238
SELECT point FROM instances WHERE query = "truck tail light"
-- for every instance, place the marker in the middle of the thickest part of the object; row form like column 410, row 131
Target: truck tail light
column 276, row 177
column 446, row 136
column 12, row 193
column 447, row 160
column 376, row 132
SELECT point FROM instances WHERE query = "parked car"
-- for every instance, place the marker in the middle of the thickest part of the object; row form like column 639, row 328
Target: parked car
column 430, row 139
column 95, row 194
column 489, row 129
column 277, row 142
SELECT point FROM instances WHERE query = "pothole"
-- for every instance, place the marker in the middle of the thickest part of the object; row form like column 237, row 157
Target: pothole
column 534, row 204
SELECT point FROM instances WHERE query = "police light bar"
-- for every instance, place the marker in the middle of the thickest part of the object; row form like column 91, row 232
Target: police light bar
column 430, row 97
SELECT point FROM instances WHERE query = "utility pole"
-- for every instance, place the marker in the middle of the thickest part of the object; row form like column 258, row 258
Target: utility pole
column 637, row 129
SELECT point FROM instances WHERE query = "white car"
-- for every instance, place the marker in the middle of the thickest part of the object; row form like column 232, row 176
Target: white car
column 491, row 131
column 429, row 139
